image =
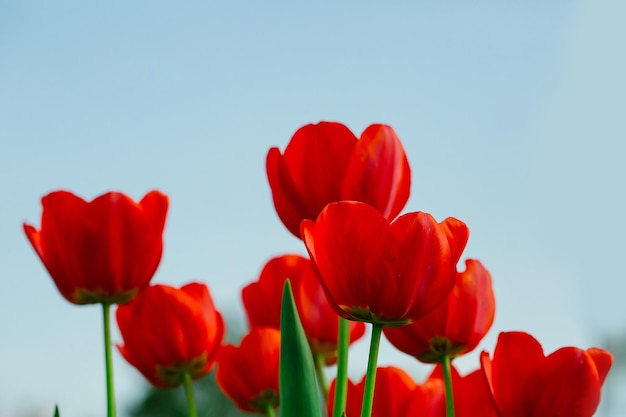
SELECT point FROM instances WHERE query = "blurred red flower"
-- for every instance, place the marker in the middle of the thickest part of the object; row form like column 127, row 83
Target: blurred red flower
column 472, row 397
column 376, row 271
column 168, row 331
column 103, row 251
column 525, row 383
column 248, row 374
column 457, row 325
column 262, row 301
column 325, row 162
column 395, row 394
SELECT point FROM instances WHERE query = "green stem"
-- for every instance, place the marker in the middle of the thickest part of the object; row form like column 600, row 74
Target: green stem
column 447, row 378
column 341, row 382
column 108, row 359
column 320, row 364
column 270, row 410
column 191, row 402
column 370, row 377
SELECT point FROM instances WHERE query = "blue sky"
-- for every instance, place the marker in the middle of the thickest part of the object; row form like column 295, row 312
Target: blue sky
column 511, row 115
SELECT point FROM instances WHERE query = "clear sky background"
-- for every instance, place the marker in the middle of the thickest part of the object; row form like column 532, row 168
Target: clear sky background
column 512, row 115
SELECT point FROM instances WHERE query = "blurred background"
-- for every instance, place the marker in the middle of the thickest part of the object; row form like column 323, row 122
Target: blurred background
column 511, row 113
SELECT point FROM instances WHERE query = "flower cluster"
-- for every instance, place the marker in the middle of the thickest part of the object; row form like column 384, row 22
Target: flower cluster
column 368, row 262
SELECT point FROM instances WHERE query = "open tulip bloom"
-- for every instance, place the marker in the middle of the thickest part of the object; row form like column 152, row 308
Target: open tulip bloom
column 325, row 163
column 343, row 197
column 171, row 335
column 103, row 251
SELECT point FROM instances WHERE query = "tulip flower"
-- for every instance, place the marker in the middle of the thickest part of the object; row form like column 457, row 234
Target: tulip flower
column 168, row 332
column 376, row 271
column 262, row 300
column 472, row 397
column 103, row 251
column 396, row 394
column 526, row 383
column 248, row 374
column 171, row 335
column 325, row 163
column 379, row 272
column 457, row 325
column 458, row 234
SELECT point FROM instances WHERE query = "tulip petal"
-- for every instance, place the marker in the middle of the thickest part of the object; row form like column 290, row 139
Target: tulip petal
column 308, row 175
column 515, row 358
column 472, row 396
column 458, row 235
column 58, row 224
column 471, row 309
column 290, row 206
column 602, row 360
column 425, row 274
column 378, row 172
column 392, row 392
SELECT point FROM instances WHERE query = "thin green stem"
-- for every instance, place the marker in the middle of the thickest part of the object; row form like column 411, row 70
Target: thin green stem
column 108, row 359
column 320, row 365
column 341, row 382
column 447, row 379
column 270, row 410
column 370, row 377
column 191, row 402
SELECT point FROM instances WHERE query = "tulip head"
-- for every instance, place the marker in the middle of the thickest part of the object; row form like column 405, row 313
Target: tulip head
column 376, row 271
column 103, row 251
column 325, row 163
column 248, row 373
column 396, row 394
column 526, row 383
column 168, row 332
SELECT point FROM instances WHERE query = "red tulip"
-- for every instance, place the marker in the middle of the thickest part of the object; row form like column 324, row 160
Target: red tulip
column 169, row 331
column 374, row 271
column 395, row 394
column 457, row 325
column 325, row 163
column 392, row 392
column 103, row 251
column 525, row 383
column 472, row 397
column 248, row 374
column 262, row 301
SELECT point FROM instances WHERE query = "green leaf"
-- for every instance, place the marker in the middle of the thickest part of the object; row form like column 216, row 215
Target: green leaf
column 56, row 411
column 298, row 388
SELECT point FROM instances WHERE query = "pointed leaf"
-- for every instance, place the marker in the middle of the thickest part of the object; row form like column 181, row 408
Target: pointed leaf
column 298, row 388
column 56, row 411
